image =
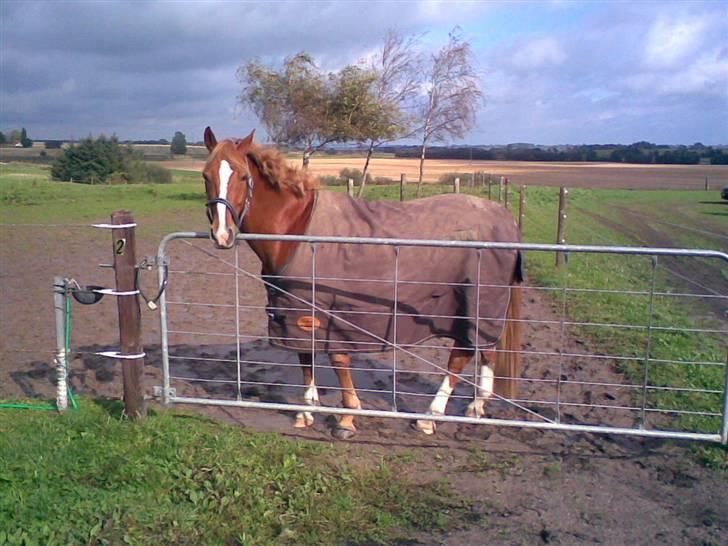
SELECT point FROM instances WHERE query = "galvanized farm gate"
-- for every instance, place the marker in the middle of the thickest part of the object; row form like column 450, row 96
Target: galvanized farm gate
column 208, row 359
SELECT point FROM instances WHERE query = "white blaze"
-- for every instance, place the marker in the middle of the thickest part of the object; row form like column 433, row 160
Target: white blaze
column 225, row 173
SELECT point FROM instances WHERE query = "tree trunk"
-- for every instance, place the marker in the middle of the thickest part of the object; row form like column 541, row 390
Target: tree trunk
column 370, row 151
column 422, row 167
column 306, row 158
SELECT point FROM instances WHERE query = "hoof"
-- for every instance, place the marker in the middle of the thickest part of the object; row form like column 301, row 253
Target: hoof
column 425, row 427
column 303, row 420
column 341, row 433
column 474, row 410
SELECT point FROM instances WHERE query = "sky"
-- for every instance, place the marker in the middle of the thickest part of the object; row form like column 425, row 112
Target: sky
column 552, row 72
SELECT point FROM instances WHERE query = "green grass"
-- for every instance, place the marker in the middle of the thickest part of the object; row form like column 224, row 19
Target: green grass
column 28, row 195
column 88, row 477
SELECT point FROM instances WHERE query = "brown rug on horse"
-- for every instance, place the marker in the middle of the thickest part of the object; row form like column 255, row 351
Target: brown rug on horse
column 436, row 292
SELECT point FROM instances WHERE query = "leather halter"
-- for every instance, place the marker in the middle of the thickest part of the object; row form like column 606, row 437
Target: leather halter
column 237, row 220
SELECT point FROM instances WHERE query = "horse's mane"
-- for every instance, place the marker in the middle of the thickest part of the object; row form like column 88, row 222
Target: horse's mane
column 278, row 173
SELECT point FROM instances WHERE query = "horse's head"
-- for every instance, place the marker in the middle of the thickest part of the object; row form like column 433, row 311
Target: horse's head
column 229, row 185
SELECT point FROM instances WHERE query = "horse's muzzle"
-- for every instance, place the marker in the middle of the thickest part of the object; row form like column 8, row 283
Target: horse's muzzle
column 225, row 240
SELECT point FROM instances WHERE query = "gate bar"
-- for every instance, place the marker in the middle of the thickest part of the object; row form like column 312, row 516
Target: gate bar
column 449, row 418
column 453, row 244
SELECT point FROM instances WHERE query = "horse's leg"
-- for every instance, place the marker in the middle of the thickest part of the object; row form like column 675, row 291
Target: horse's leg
column 459, row 358
column 305, row 418
column 485, row 384
column 342, row 364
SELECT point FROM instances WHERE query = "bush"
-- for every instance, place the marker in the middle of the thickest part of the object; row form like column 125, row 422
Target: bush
column 102, row 160
column 384, row 181
column 449, row 178
column 329, row 180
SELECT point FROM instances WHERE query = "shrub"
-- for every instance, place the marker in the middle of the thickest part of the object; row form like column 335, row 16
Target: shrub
column 384, row 181
column 449, row 178
column 102, row 160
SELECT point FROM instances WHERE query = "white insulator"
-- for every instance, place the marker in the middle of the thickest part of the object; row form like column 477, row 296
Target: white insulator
column 61, row 377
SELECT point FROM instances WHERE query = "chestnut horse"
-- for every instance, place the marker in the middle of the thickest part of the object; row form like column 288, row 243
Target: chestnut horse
column 252, row 189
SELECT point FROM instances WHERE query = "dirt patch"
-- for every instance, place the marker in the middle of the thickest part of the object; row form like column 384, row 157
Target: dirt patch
column 519, row 486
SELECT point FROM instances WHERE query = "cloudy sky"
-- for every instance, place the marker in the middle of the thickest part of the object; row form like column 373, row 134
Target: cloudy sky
column 552, row 72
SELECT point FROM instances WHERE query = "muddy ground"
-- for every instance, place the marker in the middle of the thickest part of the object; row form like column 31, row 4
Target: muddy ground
column 519, row 486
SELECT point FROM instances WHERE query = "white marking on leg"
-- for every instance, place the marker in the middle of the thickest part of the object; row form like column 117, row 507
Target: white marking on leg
column 438, row 405
column 485, row 389
column 225, row 173
column 310, row 397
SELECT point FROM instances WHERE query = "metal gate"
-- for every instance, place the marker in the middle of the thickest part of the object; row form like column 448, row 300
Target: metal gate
column 214, row 351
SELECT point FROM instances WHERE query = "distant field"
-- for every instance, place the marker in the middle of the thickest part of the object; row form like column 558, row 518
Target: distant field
column 530, row 173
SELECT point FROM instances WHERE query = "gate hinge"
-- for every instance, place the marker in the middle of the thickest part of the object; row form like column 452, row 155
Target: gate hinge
column 159, row 392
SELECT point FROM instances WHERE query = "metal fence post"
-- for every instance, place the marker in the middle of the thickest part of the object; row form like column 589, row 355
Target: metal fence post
column 130, row 323
column 505, row 193
column 724, row 424
column 60, row 294
column 402, row 186
column 561, row 223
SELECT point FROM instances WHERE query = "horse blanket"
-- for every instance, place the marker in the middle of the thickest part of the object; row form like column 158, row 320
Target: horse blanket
column 358, row 308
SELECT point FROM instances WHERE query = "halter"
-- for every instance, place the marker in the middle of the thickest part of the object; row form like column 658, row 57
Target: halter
column 237, row 220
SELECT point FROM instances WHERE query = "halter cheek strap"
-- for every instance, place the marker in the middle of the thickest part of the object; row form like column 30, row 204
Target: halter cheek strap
column 237, row 220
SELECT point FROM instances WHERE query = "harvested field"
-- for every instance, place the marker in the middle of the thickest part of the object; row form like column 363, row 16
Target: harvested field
column 530, row 173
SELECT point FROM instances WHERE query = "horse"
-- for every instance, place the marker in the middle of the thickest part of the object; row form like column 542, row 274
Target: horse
column 252, row 189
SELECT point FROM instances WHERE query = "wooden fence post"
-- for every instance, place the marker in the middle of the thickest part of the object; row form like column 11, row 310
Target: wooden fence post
column 473, row 179
column 456, row 185
column 706, row 184
column 505, row 192
column 500, row 189
column 130, row 323
column 521, row 207
column 350, row 187
column 490, row 188
column 561, row 224
column 402, row 186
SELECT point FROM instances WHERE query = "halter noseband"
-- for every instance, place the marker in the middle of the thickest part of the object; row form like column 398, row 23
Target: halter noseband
column 237, row 220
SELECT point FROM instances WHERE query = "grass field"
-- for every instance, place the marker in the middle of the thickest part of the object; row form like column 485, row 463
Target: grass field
column 89, row 477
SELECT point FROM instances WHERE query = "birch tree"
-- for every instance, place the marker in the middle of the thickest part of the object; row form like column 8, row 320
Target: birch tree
column 451, row 97
column 397, row 70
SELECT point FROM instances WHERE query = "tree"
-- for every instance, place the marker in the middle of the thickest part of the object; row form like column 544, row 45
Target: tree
column 24, row 140
column 396, row 67
column 452, row 95
column 179, row 144
column 301, row 105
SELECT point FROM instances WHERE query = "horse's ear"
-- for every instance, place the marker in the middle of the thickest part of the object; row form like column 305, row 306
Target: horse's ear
column 210, row 140
column 247, row 141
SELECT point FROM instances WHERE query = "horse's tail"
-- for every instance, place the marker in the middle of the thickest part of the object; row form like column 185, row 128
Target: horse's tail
column 508, row 355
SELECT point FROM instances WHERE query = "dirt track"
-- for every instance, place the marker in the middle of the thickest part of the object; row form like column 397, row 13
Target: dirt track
column 519, row 486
